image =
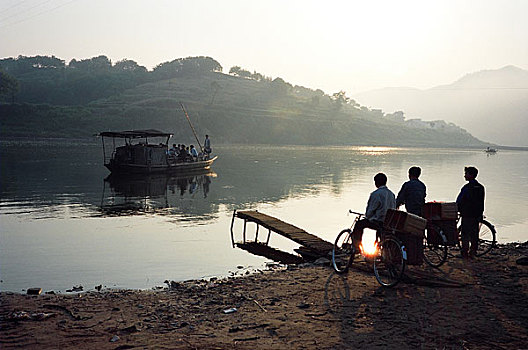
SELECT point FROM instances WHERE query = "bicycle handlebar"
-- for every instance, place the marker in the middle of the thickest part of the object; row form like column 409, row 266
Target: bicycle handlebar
column 355, row 212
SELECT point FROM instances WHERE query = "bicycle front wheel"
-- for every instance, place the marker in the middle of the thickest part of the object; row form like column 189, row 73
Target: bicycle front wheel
column 389, row 263
column 435, row 247
column 343, row 251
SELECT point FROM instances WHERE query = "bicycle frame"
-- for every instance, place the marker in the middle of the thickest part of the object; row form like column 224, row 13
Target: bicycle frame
column 358, row 216
column 379, row 236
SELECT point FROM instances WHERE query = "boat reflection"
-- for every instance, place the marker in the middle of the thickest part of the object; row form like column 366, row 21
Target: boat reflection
column 140, row 194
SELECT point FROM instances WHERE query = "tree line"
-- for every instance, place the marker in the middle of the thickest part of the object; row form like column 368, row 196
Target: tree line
column 45, row 79
column 48, row 79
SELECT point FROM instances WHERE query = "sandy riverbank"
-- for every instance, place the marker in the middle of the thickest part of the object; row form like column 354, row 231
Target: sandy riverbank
column 481, row 304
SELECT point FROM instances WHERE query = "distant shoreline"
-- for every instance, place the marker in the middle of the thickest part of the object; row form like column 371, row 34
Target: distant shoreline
column 513, row 148
column 96, row 140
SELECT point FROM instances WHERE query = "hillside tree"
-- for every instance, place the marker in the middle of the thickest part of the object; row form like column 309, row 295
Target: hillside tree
column 9, row 86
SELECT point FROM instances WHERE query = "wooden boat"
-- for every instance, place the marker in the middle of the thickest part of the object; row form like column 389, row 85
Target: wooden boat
column 147, row 152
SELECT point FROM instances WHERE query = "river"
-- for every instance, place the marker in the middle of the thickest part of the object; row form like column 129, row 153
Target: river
column 63, row 225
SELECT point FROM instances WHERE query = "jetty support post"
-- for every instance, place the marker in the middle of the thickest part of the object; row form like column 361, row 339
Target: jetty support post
column 244, row 232
column 232, row 233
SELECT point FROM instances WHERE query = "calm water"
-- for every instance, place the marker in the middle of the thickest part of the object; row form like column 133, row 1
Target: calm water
column 63, row 225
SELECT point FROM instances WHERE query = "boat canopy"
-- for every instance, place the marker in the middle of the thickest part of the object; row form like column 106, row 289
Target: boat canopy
column 134, row 134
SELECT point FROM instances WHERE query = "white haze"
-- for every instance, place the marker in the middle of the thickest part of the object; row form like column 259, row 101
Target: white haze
column 350, row 45
column 492, row 104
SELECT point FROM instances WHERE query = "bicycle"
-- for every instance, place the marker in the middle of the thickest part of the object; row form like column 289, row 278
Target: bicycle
column 487, row 237
column 444, row 221
column 389, row 259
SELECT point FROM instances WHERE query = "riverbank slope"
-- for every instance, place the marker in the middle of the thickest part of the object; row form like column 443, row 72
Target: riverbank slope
column 481, row 304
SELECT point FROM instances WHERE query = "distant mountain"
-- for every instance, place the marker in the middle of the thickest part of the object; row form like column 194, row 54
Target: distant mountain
column 490, row 104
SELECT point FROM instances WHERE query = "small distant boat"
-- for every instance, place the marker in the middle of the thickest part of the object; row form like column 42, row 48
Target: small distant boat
column 139, row 155
column 491, row 150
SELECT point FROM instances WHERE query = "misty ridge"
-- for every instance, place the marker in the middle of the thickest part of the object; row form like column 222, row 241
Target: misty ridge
column 42, row 96
column 491, row 104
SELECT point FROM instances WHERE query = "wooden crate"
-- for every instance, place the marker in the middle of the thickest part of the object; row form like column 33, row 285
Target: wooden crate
column 440, row 211
column 405, row 222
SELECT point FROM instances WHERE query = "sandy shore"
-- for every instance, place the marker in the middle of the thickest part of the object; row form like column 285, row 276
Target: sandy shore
column 481, row 304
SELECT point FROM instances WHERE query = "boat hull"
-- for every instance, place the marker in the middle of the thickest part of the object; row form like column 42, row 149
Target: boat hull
column 175, row 168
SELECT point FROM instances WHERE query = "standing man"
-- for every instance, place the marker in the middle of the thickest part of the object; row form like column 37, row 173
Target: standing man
column 207, row 146
column 379, row 202
column 470, row 203
column 412, row 193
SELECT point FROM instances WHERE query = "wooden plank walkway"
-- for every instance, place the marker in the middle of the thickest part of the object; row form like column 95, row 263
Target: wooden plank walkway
column 294, row 233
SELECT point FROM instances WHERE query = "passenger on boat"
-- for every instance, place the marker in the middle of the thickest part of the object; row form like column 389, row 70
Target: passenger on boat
column 182, row 154
column 194, row 153
column 172, row 151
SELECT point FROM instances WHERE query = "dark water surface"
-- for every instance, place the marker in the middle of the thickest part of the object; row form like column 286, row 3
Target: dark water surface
column 62, row 224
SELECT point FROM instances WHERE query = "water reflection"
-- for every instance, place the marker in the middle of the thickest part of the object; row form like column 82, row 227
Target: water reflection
column 50, row 180
column 140, row 194
column 137, row 232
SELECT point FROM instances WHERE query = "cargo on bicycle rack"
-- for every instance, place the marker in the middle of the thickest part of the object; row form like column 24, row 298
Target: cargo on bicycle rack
column 405, row 222
column 440, row 211
column 441, row 217
column 409, row 229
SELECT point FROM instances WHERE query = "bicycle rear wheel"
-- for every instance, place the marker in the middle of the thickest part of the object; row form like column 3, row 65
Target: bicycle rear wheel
column 389, row 263
column 343, row 251
column 487, row 238
column 435, row 247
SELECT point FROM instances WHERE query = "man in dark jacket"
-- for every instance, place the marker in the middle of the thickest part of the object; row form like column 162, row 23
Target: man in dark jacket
column 470, row 203
column 412, row 193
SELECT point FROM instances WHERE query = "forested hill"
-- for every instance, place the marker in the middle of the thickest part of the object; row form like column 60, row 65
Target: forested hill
column 45, row 97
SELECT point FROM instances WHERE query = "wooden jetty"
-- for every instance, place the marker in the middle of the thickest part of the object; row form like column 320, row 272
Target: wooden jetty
column 311, row 245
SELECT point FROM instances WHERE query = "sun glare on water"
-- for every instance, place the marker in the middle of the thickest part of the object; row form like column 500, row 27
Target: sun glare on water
column 375, row 150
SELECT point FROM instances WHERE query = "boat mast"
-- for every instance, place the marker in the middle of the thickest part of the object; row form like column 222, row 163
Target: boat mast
column 104, row 152
column 192, row 127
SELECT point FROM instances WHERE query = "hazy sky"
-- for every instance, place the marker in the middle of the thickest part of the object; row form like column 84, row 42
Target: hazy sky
column 333, row 45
